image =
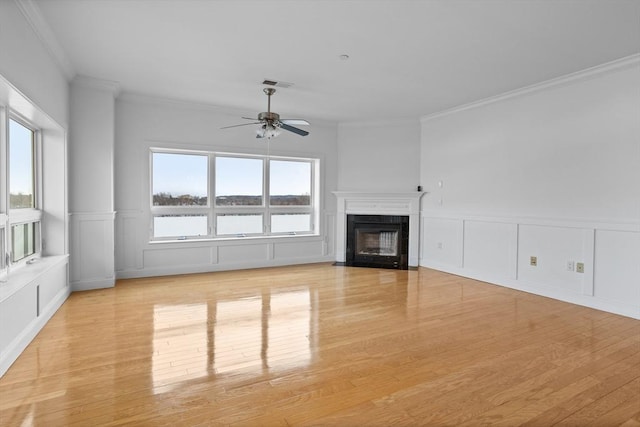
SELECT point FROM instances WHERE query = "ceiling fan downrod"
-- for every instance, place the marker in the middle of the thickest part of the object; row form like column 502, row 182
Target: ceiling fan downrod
column 268, row 115
column 269, row 91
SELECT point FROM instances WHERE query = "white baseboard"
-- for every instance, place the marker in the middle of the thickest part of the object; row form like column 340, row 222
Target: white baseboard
column 93, row 284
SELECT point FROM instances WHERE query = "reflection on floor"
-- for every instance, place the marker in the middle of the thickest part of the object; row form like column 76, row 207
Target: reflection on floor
column 324, row 345
column 267, row 331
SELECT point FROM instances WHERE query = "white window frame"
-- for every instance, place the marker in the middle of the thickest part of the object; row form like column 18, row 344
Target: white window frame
column 179, row 210
column 293, row 209
column 14, row 217
column 212, row 211
column 4, row 192
column 239, row 210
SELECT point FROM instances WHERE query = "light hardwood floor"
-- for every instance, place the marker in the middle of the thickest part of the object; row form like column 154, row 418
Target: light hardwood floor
column 324, row 345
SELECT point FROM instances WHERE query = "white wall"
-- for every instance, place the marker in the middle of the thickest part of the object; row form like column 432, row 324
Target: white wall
column 91, row 146
column 551, row 171
column 143, row 122
column 379, row 156
column 27, row 64
column 32, row 85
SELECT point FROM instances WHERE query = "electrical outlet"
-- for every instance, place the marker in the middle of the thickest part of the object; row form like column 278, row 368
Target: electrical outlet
column 580, row 267
column 533, row 261
column 570, row 266
column 439, row 245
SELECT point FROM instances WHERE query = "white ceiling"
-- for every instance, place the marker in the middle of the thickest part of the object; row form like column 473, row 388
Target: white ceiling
column 407, row 58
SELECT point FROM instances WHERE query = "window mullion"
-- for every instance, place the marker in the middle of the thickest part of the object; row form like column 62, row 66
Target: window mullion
column 211, row 194
column 4, row 161
column 267, row 197
column 37, row 169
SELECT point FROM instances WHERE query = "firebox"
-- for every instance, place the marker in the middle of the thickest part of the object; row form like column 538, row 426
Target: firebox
column 377, row 241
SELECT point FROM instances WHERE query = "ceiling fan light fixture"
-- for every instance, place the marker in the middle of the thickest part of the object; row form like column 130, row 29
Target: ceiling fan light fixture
column 268, row 131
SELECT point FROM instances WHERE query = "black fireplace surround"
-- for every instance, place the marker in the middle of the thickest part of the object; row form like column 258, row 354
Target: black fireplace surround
column 378, row 241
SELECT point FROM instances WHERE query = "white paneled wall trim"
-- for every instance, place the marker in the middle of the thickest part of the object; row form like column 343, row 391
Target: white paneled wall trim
column 162, row 258
column 498, row 250
column 27, row 302
column 612, row 224
column 92, row 243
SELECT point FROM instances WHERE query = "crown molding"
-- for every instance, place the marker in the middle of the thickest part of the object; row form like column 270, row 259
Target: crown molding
column 43, row 31
column 618, row 64
column 384, row 123
column 181, row 104
column 97, row 84
column 148, row 99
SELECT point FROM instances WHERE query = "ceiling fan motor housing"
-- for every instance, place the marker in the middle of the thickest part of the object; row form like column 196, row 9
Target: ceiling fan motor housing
column 268, row 116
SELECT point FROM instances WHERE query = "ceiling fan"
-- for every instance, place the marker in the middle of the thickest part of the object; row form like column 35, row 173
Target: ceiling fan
column 271, row 123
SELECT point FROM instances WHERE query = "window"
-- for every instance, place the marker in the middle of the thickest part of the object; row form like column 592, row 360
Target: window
column 179, row 195
column 21, row 166
column 179, row 179
column 180, row 225
column 23, row 240
column 239, row 181
column 290, row 196
column 239, row 224
column 21, row 235
column 252, row 195
column 290, row 183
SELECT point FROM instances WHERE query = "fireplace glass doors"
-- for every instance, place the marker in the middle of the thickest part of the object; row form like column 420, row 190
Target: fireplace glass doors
column 377, row 241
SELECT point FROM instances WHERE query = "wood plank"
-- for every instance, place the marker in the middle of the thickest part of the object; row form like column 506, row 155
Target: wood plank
column 324, row 345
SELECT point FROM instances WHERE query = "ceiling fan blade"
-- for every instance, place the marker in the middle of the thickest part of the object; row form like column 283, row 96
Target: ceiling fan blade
column 244, row 124
column 296, row 122
column 294, row 130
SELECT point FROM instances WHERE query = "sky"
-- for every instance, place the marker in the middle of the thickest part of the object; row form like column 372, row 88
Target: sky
column 20, row 159
column 180, row 174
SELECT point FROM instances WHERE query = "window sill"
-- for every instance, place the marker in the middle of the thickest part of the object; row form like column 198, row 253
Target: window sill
column 20, row 277
column 236, row 239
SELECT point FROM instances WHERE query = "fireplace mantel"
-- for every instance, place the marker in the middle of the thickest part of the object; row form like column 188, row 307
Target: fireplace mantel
column 376, row 203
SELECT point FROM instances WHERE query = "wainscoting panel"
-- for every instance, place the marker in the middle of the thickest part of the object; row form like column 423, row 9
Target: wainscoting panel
column 56, row 282
column 491, row 247
column 554, row 248
column 92, row 262
column 442, row 241
column 617, row 259
column 126, row 256
column 21, row 309
column 499, row 251
column 177, row 257
column 243, row 253
column 283, row 251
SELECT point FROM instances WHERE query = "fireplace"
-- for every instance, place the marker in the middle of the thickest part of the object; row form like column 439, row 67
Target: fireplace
column 377, row 241
column 374, row 205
